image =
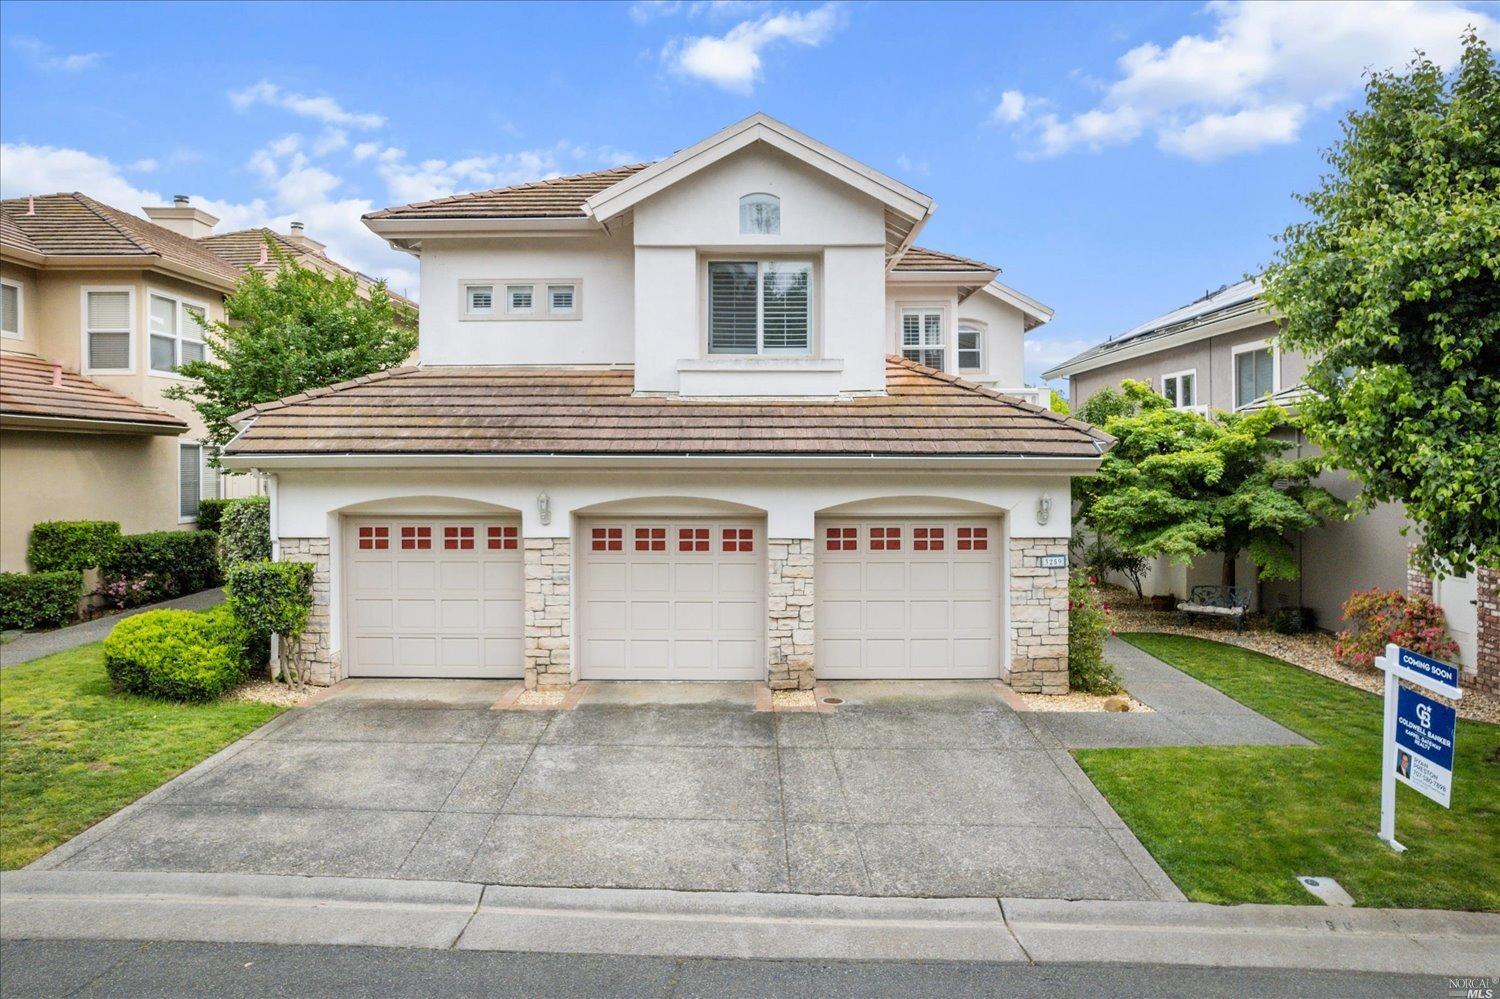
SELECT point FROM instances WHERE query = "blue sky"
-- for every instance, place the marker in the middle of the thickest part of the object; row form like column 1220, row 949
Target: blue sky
column 1116, row 160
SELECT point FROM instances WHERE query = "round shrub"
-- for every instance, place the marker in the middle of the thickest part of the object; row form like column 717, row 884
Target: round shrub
column 245, row 531
column 39, row 599
column 176, row 655
column 58, row 545
column 1088, row 628
column 1382, row 617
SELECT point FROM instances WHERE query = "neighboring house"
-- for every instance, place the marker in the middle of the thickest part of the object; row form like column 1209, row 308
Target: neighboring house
column 1217, row 353
column 709, row 418
column 99, row 308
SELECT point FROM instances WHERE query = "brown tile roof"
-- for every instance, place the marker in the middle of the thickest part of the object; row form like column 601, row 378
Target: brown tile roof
column 242, row 248
column 577, row 411
column 559, row 197
column 75, row 225
column 29, row 388
column 920, row 258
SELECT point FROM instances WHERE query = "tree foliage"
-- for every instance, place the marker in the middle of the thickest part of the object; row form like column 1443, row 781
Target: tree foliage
column 1392, row 287
column 305, row 329
column 1183, row 485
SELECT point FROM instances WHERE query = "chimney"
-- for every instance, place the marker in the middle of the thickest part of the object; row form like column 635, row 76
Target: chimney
column 182, row 218
column 299, row 236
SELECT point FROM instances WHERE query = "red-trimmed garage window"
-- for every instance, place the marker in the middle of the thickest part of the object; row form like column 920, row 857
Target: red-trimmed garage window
column 458, row 538
column 885, row 539
column 692, row 539
column 374, row 538
column 927, row 539
column 416, row 538
column 973, row 539
column 739, row 539
column 650, row 539
column 607, row 539
column 503, row 538
column 841, row 539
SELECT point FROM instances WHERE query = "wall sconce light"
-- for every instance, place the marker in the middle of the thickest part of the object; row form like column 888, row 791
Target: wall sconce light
column 1043, row 508
column 544, row 508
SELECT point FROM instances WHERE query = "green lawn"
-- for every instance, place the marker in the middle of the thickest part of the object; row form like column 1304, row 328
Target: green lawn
column 1237, row 824
column 72, row 751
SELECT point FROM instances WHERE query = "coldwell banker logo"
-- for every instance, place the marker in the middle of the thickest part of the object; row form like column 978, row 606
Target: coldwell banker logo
column 1472, row 988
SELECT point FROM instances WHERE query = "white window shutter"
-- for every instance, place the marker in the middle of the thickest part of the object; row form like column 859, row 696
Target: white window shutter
column 786, row 308
column 189, row 479
column 732, row 307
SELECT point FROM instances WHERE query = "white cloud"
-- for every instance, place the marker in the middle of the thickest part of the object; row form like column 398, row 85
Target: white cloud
column 1253, row 80
column 365, row 150
column 324, row 109
column 146, row 165
column 47, row 57
column 643, row 11
column 330, row 141
column 27, row 169
column 409, row 181
column 906, row 164
column 733, row 60
column 1043, row 351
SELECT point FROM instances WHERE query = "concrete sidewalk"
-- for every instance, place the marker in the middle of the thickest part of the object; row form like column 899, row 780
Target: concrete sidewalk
column 268, row 909
column 36, row 644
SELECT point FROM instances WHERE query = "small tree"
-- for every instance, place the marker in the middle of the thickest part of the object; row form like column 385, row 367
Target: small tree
column 245, row 531
column 1392, row 288
column 303, row 330
column 1183, row 485
column 274, row 598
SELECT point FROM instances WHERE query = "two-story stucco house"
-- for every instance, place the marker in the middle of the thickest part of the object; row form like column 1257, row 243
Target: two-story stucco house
column 713, row 417
column 1218, row 354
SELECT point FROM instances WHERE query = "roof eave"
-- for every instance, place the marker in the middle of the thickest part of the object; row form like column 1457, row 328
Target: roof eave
column 1145, row 344
column 1017, row 464
column 36, row 421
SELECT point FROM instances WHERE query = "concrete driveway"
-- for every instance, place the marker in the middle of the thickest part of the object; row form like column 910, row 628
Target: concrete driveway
column 914, row 790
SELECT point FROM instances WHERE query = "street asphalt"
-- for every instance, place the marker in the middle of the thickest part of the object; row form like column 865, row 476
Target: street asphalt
column 123, row 968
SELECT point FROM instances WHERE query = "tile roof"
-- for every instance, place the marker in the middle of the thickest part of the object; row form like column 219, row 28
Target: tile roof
column 558, row 197
column 242, row 248
column 75, row 225
column 29, row 387
column 920, row 258
column 578, row 411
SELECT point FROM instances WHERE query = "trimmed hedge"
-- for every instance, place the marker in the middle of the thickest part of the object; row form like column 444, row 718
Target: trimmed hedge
column 39, row 599
column 58, row 545
column 168, row 563
column 177, row 655
column 210, row 511
column 245, row 531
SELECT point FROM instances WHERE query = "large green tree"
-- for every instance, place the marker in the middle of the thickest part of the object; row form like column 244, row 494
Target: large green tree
column 301, row 330
column 1184, row 485
column 1392, row 288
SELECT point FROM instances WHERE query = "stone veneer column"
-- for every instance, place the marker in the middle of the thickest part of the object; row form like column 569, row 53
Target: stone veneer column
column 548, row 612
column 323, row 664
column 1038, row 617
column 1487, row 644
column 790, row 613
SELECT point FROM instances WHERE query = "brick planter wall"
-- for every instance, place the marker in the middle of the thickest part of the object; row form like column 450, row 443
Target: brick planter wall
column 316, row 652
column 1487, row 657
column 1038, row 617
column 790, row 613
column 548, row 612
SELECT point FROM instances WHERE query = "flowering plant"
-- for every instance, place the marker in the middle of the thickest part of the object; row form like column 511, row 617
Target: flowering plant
column 122, row 593
column 1382, row 617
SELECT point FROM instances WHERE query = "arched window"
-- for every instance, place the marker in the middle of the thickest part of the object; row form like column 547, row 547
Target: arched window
column 760, row 215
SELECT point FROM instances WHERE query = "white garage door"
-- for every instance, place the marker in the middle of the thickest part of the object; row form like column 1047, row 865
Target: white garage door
column 909, row 598
column 672, row 600
column 434, row 596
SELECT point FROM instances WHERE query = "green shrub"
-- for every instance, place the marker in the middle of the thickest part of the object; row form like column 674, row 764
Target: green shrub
column 272, row 598
column 245, row 531
column 39, row 599
column 176, row 655
column 1293, row 620
column 1088, row 627
column 58, row 545
column 209, row 513
column 161, row 565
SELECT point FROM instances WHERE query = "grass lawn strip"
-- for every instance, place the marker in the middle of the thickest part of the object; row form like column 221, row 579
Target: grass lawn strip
column 1239, row 823
column 72, row 751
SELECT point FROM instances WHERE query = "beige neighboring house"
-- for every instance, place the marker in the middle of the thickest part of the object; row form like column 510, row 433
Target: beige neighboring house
column 1218, row 353
column 99, row 308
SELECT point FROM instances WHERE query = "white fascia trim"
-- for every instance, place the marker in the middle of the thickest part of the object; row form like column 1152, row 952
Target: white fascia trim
column 758, row 127
column 73, row 423
column 1028, row 306
column 757, row 463
column 1152, row 344
column 939, row 277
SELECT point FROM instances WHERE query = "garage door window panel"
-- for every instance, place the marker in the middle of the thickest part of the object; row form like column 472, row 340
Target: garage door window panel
column 927, row 539
column 416, row 538
column 650, row 539
column 841, row 539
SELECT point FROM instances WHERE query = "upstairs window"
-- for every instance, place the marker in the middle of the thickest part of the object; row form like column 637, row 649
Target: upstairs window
column 760, row 307
column 760, row 215
column 970, row 348
column 1181, row 389
column 922, row 336
column 176, row 333
column 1254, row 375
column 10, row 309
column 107, row 329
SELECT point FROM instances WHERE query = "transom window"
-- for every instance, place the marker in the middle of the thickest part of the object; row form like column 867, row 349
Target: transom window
column 650, row 539
column 10, row 309
column 607, row 539
column 692, row 539
column 1181, row 389
column 518, row 298
column 458, row 538
column 480, row 299
column 560, row 298
column 107, row 329
column 760, row 215
column 760, row 307
column 739, row 539
column 885, row 539
column 970, row 347
column 176, row 332
column 416, row 539
column 503, row 538
column 841, row 539
column 374, row 538
column 922, row 336
column 1254, row 375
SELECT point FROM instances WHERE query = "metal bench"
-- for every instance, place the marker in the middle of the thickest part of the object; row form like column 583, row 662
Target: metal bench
column 1218, row 601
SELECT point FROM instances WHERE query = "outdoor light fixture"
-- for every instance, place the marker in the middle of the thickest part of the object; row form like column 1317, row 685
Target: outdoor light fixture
column 544, row 508
column 1043, row 508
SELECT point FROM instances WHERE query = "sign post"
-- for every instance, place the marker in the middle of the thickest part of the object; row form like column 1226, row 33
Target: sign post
column 1419, row 732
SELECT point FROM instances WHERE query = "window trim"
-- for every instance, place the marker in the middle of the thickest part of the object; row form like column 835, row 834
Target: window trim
column 949, row 330
column 1234, row 372
column 181, row 304
column 1177, row 375
column 974, row 326
column 84, row 330
column 19, row 333
column 760, row 260
column 541, row 312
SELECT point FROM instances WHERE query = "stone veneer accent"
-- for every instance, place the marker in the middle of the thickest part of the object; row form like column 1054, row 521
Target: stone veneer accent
column 548, row 612
column 323, row 664
column 1038, row 617
column 790, row 611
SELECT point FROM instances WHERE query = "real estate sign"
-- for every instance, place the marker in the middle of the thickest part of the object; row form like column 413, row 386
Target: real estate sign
column 1424, row 744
